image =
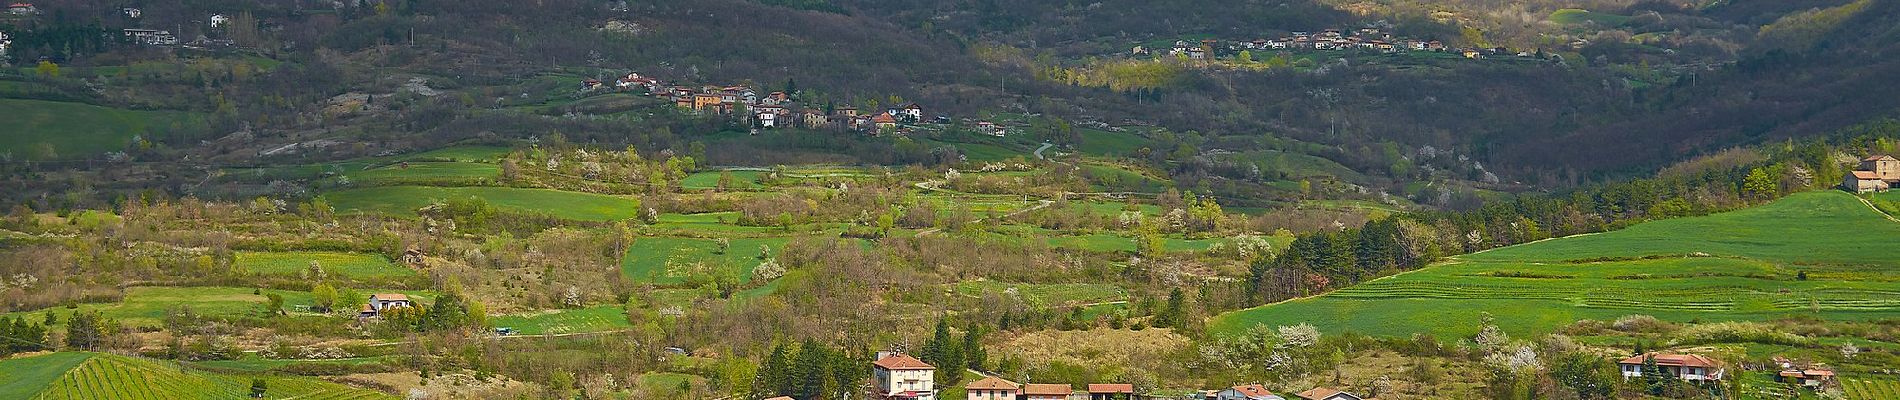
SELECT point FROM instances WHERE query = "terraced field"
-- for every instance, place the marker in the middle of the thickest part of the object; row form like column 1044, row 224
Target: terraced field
column 73, row 375
column 427, row 172
column 1871, row 388
column 404, row 200
column 1742, row 265
column 38, row 129
column 350, row 265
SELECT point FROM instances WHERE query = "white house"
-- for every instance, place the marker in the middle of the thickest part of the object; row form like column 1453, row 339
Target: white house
column 767, row 118
column 383, row 301
column 218, row 20
column 902, row 377
column 992, row 388
column 1688, row 367
column 1247, row 392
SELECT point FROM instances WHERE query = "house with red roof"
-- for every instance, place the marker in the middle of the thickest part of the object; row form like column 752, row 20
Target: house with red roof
column 1047, row 391
column 1247, row 392
column 992, row 388
column 1111, row 391
column 22, row 9
column 1324, row 393
column 1688, row 367
column 899, row 376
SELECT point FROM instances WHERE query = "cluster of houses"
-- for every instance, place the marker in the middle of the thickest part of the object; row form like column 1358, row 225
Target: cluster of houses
column 141, row 36
column 1875, row 174
column 1371, row 39
column 778, row 109
column 899, row 376
column 1806, row 374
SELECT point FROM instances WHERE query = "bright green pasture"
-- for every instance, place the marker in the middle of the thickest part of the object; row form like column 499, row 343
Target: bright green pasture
column 671, row 260
column 349, row 265
column 39, row 130
column 1106, row 143
column 591, row 319
column 1755, row 258
column 1045, row 294
column 404, row 200
column 710, row 180
column 1823, row 227
column 108, row 376
column 425, row 171
column 1114, row 242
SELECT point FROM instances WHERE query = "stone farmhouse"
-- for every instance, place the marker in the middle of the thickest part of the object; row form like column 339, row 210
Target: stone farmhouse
column 1688, row 367
column 1875, row 174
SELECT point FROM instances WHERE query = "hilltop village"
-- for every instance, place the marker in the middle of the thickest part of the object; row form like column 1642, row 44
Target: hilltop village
column 779, row 109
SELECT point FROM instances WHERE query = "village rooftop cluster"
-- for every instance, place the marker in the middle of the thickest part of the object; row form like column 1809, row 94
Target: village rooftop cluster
column 1371, row 39
column 779, row 109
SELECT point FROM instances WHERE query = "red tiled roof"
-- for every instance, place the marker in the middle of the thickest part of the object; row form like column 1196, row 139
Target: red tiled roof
column 883, row 118
column 1318, row 393
column 1882, row 157
column 1866, row 175
column 1254, row 390
column 390, row 296
column 1044, row 389
column 1111, row 388
column 902, row 362
column 781, row 398
column 1673, row 360
column 992, row 383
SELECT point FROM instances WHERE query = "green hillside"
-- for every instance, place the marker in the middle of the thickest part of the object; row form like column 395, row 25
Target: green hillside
column 73, row 375
column 1742, row 265
column 38, row 129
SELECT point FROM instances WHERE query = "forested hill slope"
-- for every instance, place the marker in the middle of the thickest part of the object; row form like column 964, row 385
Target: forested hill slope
column 1809, row 73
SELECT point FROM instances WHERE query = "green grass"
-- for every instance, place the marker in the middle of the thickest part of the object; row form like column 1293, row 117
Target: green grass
column 107, row 376
column 351, row 265
column 710, row 180
column 1295, row 165
column 253, row 363
column 76, row 130
column 670, row 260
column 1106, row 143
column 591, row 319
column 1756, row 255
column 1115, row 242
column 1046, row 295
column 424, row 172
column 477, row 154
column 404, row 200
column 1578, row 16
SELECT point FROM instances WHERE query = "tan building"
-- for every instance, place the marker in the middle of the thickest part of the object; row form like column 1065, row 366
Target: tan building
column 1047, row 391
column 902, row 377
column 992, row 388
column 1876, row 174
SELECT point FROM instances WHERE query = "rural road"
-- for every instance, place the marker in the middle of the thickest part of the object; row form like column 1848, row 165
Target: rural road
column 1045, row 146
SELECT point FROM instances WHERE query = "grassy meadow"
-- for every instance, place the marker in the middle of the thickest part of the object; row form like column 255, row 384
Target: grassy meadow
column 1741, row 265
column 349, row 265
column 671, row 260
column 147, row 305
column 591, row 319
column 404, row 200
